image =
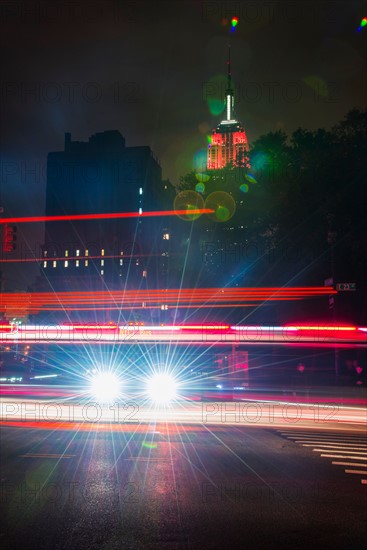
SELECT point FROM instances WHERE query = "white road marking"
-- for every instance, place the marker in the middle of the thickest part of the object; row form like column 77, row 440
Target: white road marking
column 341, row 450
column 343, row 456
column 349, row 464
column 341, row 446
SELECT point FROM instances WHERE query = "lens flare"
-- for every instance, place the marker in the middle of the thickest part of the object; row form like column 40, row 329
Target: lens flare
column 188, row 200
column 162, row 388
column 234, row 23
column 105, row 387
column 250, row 178
column 223, row 205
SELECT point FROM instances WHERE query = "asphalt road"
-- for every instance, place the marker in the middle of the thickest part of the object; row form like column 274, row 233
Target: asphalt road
column 164, row 486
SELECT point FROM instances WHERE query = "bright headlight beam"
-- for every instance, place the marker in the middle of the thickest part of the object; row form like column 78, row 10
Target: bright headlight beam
column 162, row 388
column 105, row 387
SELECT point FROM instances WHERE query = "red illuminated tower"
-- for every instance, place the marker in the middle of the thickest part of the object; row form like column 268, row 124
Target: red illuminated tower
column 229, row 143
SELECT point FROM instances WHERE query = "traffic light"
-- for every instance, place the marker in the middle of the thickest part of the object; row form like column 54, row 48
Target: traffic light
column 9, row 238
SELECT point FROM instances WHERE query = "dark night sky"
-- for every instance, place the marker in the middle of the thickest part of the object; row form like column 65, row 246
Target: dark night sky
column 163, row 55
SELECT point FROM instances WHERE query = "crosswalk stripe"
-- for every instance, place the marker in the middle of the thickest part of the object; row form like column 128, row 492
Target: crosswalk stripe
column 335, row 445
column 324, row 434
column 343, row 456
column 318, row 449
column 349, row 464
column 330, row 446
column 303, row 441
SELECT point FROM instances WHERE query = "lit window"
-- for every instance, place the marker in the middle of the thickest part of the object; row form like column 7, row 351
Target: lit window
column 102, row 252
column 140, row 210
column 166, row 236
column 54, row 263
column 102, row 272
column 45, row 253
column 78, row 252
column 66, row 263
column 86, row 263
column 140, row 191
column 66, row 253
column 145, row 273
column 102, row 262
column 121, row 262
column 44, row 264
column 87, row 252
column 77, row 263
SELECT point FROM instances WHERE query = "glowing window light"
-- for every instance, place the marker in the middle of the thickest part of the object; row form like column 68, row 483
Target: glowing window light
column 66, row 263
column 45, row 264
column 77, row 263
column 102, row 252
column 78, row 252
column 66, row 253
column 54, row 264
column 140, row 190
column 87, row 252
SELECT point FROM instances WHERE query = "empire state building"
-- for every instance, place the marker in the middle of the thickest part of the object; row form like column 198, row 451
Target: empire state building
column 229, row 143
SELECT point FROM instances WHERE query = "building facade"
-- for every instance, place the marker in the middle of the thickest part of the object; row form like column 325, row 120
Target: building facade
column 103, row 176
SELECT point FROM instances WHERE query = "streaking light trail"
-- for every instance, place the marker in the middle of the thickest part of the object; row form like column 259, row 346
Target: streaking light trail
column 314, row 336
column 178, row 298
column 110, row 215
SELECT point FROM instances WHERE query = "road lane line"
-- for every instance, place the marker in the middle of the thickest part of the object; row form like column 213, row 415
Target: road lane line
column 35, row 455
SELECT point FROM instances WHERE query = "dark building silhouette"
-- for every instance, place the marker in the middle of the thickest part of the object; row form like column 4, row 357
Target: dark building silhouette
column 104, row 176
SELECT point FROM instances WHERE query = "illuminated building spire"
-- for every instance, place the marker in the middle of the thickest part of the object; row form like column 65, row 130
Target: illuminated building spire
column 228, row 144
column 229, row 90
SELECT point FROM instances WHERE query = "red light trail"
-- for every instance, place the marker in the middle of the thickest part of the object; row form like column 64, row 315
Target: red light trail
column 145, row 299
column 301, row 335
column 110, row 215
